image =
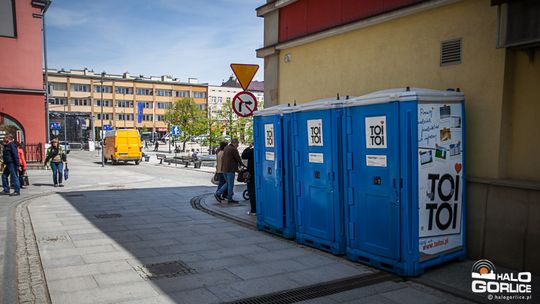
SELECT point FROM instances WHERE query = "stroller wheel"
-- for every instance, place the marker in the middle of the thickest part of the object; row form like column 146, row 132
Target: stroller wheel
column 246, row 195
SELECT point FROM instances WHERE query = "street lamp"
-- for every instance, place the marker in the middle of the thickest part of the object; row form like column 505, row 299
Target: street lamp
column 102, row 137
column 65, row 123
column 209, row 110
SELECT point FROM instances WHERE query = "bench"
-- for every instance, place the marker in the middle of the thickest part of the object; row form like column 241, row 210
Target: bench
column 161, row 157
column 186, row 160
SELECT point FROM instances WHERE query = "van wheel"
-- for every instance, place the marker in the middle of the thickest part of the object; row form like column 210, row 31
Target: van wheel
column 137, row 162
column 114, row 161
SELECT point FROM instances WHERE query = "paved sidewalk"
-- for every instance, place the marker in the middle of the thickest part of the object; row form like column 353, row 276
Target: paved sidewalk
column 128, row 234
column 94, row 245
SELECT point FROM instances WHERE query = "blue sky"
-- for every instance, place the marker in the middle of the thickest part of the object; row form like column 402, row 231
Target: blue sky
column 182, row 38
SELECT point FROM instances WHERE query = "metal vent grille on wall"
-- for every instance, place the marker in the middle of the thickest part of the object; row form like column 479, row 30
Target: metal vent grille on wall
column 451, row 52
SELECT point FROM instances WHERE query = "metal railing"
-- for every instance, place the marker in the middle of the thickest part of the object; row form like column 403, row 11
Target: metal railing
column 33, row 153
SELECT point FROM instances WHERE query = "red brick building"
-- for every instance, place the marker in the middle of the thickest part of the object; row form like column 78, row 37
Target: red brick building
column 22, row 104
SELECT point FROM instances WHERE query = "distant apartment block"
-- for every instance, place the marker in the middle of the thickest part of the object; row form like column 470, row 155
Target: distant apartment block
column 83, row 92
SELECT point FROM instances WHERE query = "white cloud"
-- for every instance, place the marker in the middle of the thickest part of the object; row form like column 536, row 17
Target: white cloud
column 61, row 17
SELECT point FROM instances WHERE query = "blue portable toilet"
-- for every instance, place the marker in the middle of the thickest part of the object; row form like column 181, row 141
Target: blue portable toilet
column 273, row 170
column 404, row 170
column 317, row 175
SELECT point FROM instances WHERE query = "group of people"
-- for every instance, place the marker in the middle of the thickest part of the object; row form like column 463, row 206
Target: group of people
column 13, row 166
column 228, row 163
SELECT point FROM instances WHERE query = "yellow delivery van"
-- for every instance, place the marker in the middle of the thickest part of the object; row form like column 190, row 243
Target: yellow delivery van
column 123, row 145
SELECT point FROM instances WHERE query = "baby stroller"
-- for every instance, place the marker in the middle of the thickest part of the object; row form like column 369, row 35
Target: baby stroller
column 243, row 177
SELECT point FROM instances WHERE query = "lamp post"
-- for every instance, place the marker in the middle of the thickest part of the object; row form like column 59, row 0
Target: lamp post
column 209, row 110
column 102, row 137
column 65, row 122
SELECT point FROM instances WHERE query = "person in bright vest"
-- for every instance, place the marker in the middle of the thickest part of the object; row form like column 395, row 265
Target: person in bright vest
column 57, row 158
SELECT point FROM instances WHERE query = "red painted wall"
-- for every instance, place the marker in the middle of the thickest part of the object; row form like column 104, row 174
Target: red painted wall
column 29, row 111
column 21, row 68
column 305, row 17
column 21, row 57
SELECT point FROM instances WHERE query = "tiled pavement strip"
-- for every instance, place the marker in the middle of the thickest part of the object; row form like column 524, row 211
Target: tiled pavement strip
column 87, row 259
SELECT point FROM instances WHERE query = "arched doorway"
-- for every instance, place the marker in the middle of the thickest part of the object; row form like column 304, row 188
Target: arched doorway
column 9, row 125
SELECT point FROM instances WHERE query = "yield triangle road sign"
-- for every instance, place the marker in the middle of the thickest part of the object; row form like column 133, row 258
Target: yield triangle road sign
column 244, row 73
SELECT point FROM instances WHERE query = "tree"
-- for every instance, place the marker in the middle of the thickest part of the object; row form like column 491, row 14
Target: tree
column 191, row 119
column 235, row 126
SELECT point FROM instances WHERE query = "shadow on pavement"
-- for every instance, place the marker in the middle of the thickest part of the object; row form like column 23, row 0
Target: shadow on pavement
column 121, row 240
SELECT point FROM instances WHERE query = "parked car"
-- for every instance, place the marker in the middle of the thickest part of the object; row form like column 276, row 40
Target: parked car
column 65, row 145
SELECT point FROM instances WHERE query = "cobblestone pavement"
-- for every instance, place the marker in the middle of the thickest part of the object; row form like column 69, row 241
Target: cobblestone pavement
column 128, row 234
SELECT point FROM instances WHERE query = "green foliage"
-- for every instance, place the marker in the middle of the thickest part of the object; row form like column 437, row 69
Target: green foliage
column 186, row 114
column 233, row 125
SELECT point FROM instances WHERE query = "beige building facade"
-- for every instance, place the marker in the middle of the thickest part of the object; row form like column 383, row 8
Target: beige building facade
column 118, row 96
column 407, row 46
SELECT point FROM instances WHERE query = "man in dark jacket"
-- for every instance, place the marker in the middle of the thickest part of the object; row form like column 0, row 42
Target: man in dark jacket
column 10, row 157
column 230, row 163
column 248, row 154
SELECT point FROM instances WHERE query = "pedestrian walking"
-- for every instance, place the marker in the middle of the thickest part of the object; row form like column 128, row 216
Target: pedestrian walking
column 10, row 159
column 146, row 144
column 231, row 161
column 156, row 146
column 22, row 164
column 248, row 155
column 57, row 158
column 219, row 172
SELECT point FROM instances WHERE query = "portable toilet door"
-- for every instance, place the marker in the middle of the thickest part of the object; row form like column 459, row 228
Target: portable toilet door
column 404, row 179
column 371, row 147
column 275, row 211
column 316, row 139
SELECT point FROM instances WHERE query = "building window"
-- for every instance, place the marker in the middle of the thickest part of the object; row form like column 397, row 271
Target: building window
column 125, row 116
column 58, row 101
column 160, row 118
column 77, row 87
column 147, row 117
column 144, row 91
column 228, row 99
column 182, row 93
column 7, row 18
column 213, row 99
column 163, row 105
column 160, row 92
column 124, row 90
column 147, row 104
column 220, row 99
column 103, row 89
column 124, row 104
column 106, row 116
column 199, row 94
column 106, row 102
column 202, row 106
column 81, row 102
column 58, row 86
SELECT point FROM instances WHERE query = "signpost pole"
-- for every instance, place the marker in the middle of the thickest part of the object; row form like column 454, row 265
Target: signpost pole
column 102, row 139
column 170, row 137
